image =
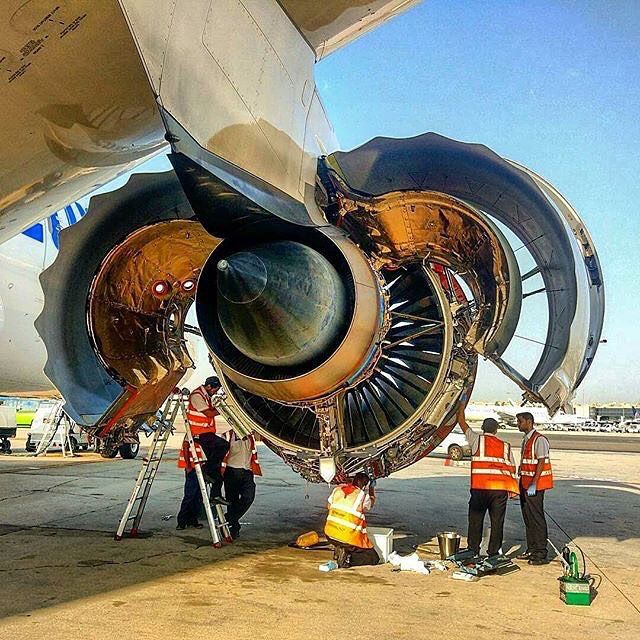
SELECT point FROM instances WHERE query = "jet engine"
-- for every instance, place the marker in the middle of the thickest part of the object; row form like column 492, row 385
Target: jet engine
column 345, row 330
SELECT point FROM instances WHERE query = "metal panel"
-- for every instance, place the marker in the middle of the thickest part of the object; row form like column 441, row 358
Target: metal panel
column 76, row 105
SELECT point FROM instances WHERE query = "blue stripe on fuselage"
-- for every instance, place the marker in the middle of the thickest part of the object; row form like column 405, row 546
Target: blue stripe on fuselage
column 36, row 231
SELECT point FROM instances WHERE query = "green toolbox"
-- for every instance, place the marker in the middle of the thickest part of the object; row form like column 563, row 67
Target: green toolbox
column 575, row 589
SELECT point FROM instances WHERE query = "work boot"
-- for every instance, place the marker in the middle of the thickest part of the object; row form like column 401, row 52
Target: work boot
column 342, row 557
column 537, row 561
column 235, row 532
column 219, row 500
column 524, row 556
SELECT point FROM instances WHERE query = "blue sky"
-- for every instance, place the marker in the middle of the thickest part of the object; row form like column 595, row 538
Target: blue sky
column 553, row 85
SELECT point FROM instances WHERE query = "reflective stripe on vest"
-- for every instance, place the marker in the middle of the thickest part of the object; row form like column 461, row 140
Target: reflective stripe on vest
column 346, row 522
column 254, row 465
column 184, row 457
column 491, row 466
column 529, row 464
column 198, row 421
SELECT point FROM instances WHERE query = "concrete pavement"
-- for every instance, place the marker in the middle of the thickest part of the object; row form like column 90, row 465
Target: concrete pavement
column 64, row 576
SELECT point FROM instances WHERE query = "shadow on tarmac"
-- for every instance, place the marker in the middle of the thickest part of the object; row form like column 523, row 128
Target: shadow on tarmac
column 76, row 557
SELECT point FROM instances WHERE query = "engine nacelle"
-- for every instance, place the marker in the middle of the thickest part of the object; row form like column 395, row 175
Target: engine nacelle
column 345, row 335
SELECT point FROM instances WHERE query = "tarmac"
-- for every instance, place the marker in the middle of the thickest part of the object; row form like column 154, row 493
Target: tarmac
column 64, row 576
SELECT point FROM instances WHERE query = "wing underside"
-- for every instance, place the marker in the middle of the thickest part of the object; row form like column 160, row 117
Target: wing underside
column 330, row 25
column 76, row 104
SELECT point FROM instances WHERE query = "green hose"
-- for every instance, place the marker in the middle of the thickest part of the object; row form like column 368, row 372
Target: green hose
column 573, row 564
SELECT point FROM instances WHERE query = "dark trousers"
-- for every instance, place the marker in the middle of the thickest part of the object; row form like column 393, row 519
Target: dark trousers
column 240, row 491
column 215, row 448
column 481, row 501
column 534, row 522
column 191, row 501
column 357, row 557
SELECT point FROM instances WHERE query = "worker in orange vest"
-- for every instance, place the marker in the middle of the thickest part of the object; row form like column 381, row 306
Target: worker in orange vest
column 201, row 415
column 346, row 526
column 536, row 477
column 239, row 468
column 493, row 481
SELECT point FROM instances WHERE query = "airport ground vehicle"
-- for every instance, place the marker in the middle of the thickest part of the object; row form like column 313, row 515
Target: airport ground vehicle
column 455, row 446
column 80, row 440
column 7, row 427
column 45, row 413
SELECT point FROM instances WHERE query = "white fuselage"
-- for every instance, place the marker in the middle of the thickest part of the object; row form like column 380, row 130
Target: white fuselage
column 22, row 259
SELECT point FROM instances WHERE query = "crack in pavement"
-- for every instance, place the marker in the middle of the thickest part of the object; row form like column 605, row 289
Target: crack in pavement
column 92, row 564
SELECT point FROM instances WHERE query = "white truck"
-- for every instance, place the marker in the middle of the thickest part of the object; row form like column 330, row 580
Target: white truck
column 8, row 427
column 454, row 446
column 45, row 413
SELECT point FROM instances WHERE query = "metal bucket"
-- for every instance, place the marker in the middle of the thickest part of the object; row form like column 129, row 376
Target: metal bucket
column 449, row 543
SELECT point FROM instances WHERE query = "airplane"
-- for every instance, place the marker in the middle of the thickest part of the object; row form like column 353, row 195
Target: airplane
column 506, row 414
column 345, row 297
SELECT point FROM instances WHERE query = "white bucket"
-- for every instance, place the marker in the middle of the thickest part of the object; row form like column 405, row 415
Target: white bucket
column 382, row 540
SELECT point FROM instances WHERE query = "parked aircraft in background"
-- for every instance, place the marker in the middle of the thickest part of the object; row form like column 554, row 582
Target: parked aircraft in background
column 506, row 414
column 345, row 297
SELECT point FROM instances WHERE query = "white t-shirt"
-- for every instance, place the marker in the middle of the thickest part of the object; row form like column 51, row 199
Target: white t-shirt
column 540, row 448
column 239, row 454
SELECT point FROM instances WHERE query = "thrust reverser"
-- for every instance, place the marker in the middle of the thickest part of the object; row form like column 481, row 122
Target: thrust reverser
column 345, row 341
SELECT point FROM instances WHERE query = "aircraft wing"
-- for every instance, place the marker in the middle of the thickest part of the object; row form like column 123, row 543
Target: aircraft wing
column 77, row 109
column 331, row 24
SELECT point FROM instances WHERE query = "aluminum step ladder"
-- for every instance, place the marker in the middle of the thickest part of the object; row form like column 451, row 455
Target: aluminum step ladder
column 163, row 428
column 56, row 421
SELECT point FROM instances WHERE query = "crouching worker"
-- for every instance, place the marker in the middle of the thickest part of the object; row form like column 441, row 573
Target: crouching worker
column 346, row 526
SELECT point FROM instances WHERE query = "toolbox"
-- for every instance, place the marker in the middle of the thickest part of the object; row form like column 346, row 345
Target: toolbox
column 575, row 591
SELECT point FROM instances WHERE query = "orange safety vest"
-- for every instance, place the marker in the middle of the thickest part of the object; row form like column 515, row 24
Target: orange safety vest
column 491, row 466
column 346, row 522
column 254, row 465
column 529, row 464
column 184, row 457
column 199, row 422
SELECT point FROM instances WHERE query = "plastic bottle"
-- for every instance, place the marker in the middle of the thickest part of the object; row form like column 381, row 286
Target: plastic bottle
column 328, row 566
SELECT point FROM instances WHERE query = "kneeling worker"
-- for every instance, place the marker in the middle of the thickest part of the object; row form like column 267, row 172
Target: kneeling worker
column 493, row 481
column 239, row 467
column 346, row 526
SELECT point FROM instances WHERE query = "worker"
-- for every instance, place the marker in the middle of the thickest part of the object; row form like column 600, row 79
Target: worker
column 493, row 481
column 202, row 420
column 536, row 477
column 201, row 415
column 346, row 526
column 239, row 468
